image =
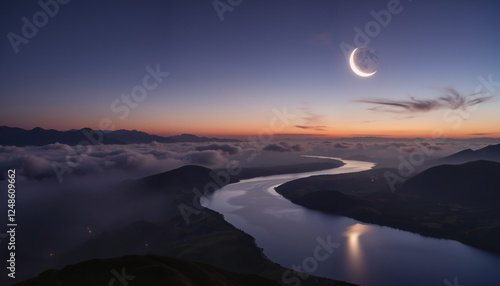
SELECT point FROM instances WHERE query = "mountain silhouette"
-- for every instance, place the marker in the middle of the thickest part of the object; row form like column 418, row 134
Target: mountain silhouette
column 205, row 238
column 476, row 180
column 180, row 181
column 490, row 152
column 134, row 136
column 38, row 137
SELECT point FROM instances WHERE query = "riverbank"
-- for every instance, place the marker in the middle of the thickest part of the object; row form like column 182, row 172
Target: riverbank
column 255, row 172
column 367, row 254
column 205, row 238
column 365, row 196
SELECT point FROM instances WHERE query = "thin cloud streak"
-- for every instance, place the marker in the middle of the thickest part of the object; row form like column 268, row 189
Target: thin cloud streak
column 311, row 117
column 317, row 128
column 451, row 99
column 312, row 120
column 484, row 134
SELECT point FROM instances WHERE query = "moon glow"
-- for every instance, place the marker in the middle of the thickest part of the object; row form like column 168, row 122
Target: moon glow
column 364, row 61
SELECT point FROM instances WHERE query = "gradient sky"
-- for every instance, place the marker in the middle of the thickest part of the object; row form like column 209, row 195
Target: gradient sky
column 226, row 77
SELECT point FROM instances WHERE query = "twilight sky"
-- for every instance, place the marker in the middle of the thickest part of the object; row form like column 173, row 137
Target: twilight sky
column 226, row 77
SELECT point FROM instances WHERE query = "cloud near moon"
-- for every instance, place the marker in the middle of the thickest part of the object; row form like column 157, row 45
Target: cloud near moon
column 451, row 99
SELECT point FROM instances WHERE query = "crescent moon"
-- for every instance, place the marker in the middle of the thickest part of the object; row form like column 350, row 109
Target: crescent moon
column 355, row 68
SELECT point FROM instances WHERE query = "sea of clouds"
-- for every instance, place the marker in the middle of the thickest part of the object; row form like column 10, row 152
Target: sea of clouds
column 137, row 160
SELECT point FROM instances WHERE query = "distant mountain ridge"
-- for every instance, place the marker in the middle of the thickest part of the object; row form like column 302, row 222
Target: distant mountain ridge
column 476, row 180
column 375, row 139
column 490, row 153
column 13, row 136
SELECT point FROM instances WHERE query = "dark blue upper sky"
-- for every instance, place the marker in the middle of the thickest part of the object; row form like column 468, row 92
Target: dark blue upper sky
column 226, row 77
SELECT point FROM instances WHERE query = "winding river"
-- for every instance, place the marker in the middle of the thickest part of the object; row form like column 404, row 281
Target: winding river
column 360, row 253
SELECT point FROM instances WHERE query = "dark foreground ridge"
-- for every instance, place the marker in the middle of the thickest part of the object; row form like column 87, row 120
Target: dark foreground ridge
column 145, row 270
column 207, row 246
column 460, row 202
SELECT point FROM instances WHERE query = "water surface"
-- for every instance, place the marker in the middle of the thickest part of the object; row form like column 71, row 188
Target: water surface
column 364, row 254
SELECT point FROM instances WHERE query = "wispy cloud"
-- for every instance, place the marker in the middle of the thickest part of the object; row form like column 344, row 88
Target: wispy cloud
column 404, row 117
column 341, row 146
column 317, row 127
column 312, row 120
column 326, row 39
column 284, row 147
column 450, row 99
column 310, row 116
column 484, row 134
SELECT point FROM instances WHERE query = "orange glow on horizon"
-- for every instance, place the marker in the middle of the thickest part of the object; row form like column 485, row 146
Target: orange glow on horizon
column 251, row 129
